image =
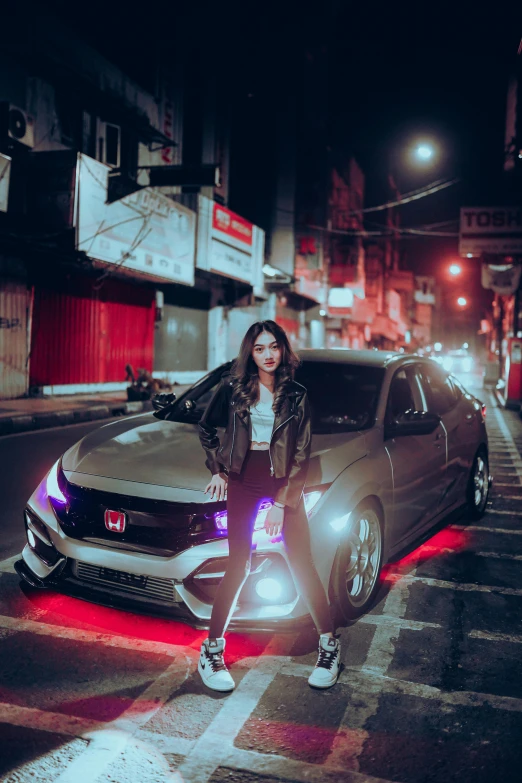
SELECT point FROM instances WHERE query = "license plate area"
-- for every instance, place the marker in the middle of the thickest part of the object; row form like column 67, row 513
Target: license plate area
column 123, row 578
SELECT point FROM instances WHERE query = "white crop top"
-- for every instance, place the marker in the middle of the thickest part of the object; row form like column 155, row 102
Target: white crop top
column 262, row 417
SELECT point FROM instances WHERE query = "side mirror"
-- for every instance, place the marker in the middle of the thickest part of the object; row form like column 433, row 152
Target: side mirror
column 413, row 423
column 160, row 401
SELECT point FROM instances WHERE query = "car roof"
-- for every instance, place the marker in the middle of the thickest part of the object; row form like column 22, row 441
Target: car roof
column 370, row 358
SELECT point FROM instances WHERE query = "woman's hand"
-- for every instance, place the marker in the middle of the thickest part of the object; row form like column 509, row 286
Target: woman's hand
column 217, row 486
column 274, row 521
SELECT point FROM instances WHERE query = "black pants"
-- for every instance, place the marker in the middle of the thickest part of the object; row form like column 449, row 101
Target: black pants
column 245, row 493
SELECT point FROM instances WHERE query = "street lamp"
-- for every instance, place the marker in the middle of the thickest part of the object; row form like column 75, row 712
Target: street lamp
column 424, row 151
column 455, row 270
column 462, row 301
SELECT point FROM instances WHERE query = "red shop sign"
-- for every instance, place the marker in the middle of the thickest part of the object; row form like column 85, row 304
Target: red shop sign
column 227, row 222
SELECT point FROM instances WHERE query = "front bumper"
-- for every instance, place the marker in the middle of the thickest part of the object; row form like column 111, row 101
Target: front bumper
column 180, row 586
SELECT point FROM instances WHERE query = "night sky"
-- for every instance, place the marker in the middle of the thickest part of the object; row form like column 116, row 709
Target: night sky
column 396, row 72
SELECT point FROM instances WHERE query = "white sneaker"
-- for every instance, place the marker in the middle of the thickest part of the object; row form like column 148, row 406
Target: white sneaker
column 328, row 664
column 212, row 667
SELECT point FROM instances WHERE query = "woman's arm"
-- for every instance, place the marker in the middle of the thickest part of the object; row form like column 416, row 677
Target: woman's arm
column 290, row 493
column 214, row 415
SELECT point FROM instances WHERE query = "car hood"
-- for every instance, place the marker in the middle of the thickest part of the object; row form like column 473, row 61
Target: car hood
column 145, row 450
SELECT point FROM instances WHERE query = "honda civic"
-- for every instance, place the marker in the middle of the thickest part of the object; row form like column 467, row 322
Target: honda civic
column 122, row 518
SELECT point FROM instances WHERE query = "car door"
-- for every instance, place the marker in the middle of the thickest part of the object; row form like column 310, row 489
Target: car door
column 446, row 399
column 418, row 461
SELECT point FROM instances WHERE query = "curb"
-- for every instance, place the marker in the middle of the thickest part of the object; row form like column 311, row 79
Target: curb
column 10, row 425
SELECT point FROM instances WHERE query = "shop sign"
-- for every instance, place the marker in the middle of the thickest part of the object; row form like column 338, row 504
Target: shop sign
column 5, row 175
column 145, row 232
column 490, row 230
column 230, row 261
column 167, row 153
column 502, row 279
column 340, row 301
column 226, row 222
column 229, row 245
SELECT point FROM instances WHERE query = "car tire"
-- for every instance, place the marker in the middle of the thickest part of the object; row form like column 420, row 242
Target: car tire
column 357, row 568
column 477, row 491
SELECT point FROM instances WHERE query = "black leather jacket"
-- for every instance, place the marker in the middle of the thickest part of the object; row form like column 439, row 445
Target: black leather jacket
column 289, row 446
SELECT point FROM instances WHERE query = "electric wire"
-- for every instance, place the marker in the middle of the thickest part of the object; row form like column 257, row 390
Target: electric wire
column 414, row 196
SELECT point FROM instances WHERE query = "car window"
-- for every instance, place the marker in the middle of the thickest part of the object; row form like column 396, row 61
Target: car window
column 458, row 390
column 441, row 393
column 199, row 394
column 343, row 397
column 400, row 397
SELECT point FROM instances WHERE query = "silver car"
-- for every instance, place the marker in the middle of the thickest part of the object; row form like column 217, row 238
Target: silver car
column 122, row 519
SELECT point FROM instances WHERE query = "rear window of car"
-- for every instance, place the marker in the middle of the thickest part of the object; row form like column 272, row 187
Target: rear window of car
column 343, row 397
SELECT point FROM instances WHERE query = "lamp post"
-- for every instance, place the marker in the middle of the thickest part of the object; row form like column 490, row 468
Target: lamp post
column 424, row 152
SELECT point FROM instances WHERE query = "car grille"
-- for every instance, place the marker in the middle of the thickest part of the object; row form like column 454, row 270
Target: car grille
column 157, row 588
column 154, row 527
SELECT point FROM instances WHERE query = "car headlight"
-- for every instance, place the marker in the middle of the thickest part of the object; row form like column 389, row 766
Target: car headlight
column 311, row 499
column 51, row 484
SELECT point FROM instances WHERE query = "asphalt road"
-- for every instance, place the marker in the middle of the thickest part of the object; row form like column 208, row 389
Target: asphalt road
column 431, row 688
column 24, row 461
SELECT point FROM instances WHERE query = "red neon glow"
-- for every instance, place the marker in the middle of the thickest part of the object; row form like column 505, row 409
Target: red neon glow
column 446, row 541
column 63, row 610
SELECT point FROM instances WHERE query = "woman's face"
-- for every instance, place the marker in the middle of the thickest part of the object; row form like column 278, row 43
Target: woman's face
column 266, row 352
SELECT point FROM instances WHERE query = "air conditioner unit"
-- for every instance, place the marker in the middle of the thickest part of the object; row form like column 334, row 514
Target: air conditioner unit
column 16, row 124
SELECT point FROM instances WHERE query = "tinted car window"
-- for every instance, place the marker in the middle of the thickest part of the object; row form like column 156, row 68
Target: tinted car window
column 400, row 397
column 343, row 397
column 441, row 393
column 190, row 406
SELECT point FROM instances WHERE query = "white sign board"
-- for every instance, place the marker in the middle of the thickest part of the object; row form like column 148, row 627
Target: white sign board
column 5, row 175
column 145, row 232
column 490, row 230
column 229, row 261
column 229, row 245
column 503, row 280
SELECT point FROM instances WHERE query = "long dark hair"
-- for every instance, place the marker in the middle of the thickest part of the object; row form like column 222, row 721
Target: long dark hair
column 245, row 372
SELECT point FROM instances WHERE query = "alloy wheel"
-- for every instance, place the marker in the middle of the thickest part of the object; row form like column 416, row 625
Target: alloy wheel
column 480, row 482
column 362, row 569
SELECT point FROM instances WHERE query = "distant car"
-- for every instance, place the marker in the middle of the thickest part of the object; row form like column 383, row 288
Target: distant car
column 458, row 361
column 122, row 519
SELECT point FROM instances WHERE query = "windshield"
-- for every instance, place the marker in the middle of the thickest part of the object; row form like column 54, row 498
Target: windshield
column 343, row 397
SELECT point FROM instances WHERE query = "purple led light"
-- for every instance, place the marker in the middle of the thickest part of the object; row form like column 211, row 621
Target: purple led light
column 220, row 517
column 52, row 487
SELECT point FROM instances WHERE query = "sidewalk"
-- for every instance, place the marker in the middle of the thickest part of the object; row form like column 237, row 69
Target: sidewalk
column 25, row 414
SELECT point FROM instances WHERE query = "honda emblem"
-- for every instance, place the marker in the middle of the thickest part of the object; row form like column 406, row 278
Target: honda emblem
column 115, row 521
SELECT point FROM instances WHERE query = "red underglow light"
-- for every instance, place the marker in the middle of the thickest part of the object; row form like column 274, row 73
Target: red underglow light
column 63, row 610
column 445, row 542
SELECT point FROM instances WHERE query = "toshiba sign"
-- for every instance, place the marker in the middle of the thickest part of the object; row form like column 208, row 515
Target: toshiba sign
column 491, row 230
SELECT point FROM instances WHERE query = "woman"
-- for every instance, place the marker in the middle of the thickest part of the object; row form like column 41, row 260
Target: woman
column 264, row 454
